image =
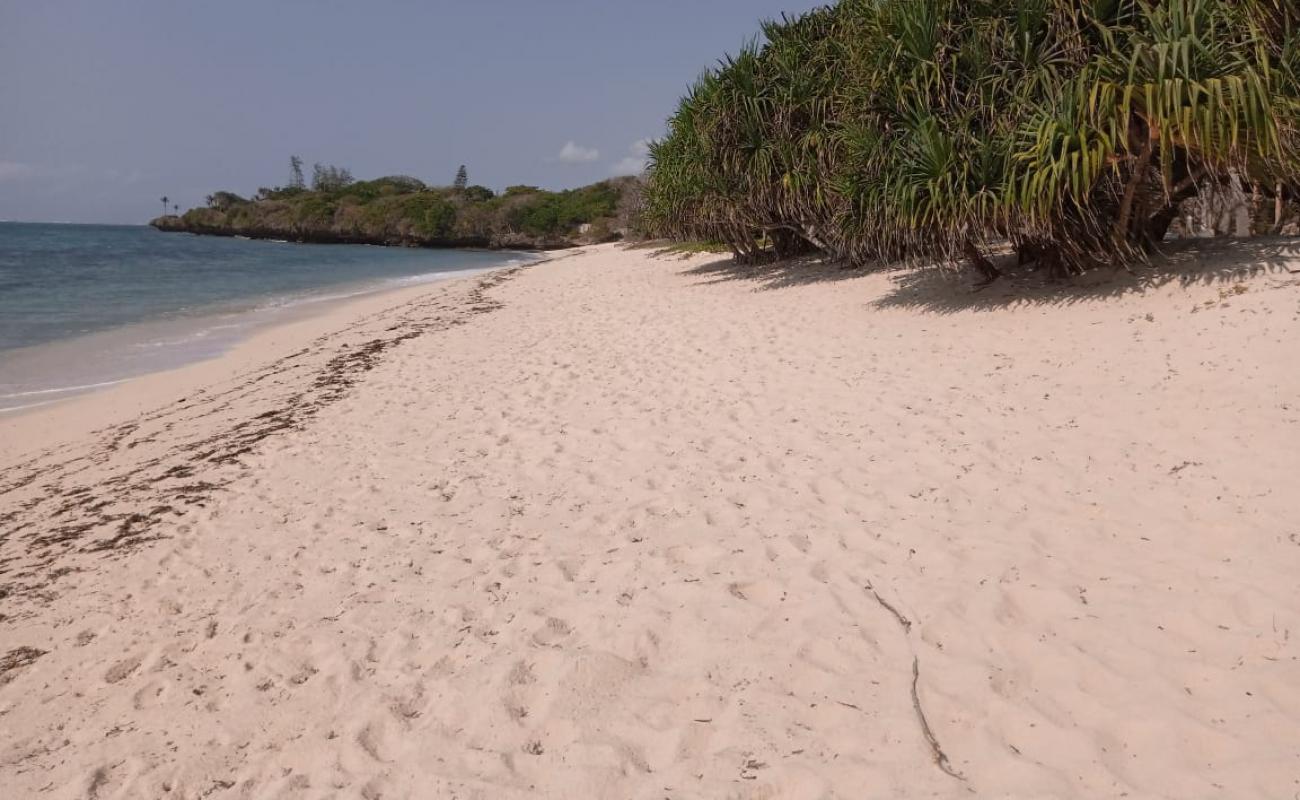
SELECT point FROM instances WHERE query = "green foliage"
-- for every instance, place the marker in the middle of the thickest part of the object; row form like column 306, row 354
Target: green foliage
column 399, row 209
column 433, row 216
column 277, row 193
column 401, row 183
column 329, row 178
column 478, row 194
column 314, row 210
column 224, row 200
column 380, row 187
column 884, row 129
column 296, row 180
column 548, row 212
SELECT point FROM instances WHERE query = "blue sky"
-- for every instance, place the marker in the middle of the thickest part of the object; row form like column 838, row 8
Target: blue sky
column 105, row 106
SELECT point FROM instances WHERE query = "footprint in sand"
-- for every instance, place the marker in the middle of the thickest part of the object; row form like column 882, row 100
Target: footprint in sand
column 409, row 706
column 521, row 674
column 303, row 675
column 151, row 695
column 516, row 695
column 553, row 633
column 569, row 568
column 122, row 669
column 763, row 592
column 375, row 741
column 374, row 789
column 515, row 709
column 646, row 647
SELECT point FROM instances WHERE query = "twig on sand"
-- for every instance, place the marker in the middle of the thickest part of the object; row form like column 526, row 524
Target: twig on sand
column 936, row 751
column 902, row 620
column 940, row 757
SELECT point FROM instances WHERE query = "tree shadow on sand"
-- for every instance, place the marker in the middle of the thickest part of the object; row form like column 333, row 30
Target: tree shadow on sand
column 1189, row 262
column 775, row 274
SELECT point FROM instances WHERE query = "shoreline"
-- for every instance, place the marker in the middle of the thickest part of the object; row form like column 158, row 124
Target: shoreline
column 128, row 352
column 40, row 426
column 480, row 244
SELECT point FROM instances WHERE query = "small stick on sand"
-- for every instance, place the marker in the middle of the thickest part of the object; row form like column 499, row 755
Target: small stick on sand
column 902, row 620
column 936, row 751
column 940, row 757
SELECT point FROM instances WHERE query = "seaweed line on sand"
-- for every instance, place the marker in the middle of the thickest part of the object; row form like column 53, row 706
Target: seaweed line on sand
column 55, row 511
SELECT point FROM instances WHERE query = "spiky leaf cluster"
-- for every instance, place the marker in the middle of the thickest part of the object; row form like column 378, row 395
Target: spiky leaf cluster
column 930, row 129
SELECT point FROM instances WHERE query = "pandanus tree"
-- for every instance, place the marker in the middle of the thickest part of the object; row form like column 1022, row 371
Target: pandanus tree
column 933, row 129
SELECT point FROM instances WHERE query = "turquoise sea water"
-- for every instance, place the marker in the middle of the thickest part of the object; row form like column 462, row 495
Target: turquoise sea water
column 85, row 305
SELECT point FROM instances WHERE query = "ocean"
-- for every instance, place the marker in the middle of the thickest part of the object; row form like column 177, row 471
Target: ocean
column 87, row 306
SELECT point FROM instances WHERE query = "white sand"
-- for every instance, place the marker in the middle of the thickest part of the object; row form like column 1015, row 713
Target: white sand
column 656, row 528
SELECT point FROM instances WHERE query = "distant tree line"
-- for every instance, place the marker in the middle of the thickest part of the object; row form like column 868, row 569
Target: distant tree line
column 329, row 178
column 401, row 209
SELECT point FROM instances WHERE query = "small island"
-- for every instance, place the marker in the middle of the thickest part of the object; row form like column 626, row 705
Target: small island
column 400, row 210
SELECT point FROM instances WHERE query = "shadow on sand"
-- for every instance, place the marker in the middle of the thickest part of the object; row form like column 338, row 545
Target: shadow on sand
column 942, row 291
column 776, row 274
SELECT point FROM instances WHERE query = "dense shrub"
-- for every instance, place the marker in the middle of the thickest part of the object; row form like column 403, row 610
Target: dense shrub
column 224, row 200
column 551, row 212
column 886, row 129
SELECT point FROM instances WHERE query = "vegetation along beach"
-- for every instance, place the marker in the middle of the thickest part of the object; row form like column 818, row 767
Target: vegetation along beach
column 920, row 419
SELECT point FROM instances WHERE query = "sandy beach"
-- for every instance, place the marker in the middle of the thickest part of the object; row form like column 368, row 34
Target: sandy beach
column 635, row 525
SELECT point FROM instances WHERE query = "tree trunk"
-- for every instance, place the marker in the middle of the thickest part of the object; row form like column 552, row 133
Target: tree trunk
column 1123, row 224
column 1158, row 225
column 1027, row 252
column 811, row 234
column 1240, row 208
column 985, row 267
column 1049, row 259
column 787, row 242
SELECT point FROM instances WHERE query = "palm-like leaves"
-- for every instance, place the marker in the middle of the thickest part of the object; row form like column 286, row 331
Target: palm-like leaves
column 886, row 128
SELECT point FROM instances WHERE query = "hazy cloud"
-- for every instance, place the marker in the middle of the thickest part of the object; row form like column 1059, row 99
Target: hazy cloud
column 574, row 153
column 634, row 163
column 16, row 170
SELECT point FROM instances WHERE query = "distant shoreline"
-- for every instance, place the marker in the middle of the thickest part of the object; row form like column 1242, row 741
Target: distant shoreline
column 166, row 225
column 163, row 345
column 402, row 211
column 174, row 303
column 261, row 341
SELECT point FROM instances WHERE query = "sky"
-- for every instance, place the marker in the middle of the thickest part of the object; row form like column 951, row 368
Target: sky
column 107, row 106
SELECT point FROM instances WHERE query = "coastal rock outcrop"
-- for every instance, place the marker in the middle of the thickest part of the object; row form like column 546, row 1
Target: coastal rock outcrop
column 396, row 213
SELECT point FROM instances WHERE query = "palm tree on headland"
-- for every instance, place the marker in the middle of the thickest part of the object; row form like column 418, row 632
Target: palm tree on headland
column 165, row 200
column 176, row 209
